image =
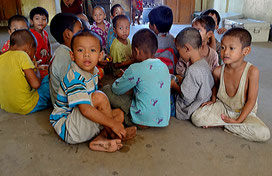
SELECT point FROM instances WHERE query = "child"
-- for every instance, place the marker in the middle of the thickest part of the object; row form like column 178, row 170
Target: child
column 206, row 25
column 39, row 20
column 137, row 9
column 160, row 21
column 117, row 9
column 214, row 42
column 150, row 80
column 21, row 91
column 196, row 86
column 14, row 23
column 234, row 99
column 80, row 110
column 100, row 26
column 62, row 27
column 120, row 50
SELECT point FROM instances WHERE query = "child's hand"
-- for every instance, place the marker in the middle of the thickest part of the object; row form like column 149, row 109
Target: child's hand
column 221, row 30
column 118, row 65
column 119, row 130
column 228, row 119
column 207, row 103
column 43, row 67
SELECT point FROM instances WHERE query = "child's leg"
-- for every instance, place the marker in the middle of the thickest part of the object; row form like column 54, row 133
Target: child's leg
column 44, row 96
column 252, row 129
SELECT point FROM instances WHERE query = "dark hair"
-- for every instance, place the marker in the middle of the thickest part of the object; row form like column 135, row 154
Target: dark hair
column 60, row 22
column 189, row 35
column 17, row 18
column 22, row 37
column 206, row 22
column 243, row 35
column 39, row 11
column 213, row 12
column 98, row 6
column 86, row 33
column 119, row 17
column 162, row 17
column 114, row 7
column 145, row 40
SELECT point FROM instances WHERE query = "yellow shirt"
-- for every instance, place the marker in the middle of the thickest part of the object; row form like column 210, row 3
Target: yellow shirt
column 119, row 51
column 16, row 95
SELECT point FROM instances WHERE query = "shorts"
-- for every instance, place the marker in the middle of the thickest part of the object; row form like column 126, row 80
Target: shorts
column 44, row 96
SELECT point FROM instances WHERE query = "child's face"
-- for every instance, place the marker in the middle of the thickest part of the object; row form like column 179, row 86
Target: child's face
column 16, row 25
column 86, row 52
column 39, row 22
column 118, row 11
column 202, row 32
column 122, row 29
column 232, row 51
column 215, row 20
column 98, row 15
column 182, row 53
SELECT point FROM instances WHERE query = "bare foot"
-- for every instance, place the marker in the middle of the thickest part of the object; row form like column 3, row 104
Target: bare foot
column 131, row 133
column 212, row 126
column 143, row 127
column 106, row 145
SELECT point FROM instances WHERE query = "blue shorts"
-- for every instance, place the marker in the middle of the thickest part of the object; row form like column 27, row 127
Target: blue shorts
column 44, row 96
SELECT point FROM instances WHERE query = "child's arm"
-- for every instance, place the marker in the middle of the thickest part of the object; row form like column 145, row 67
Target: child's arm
column 124, row 64
column 175, row 86
column 95, row 115
column 221, row 30
column 31, row 78
column 252, row 93
column 212, row 41
column 216, row 77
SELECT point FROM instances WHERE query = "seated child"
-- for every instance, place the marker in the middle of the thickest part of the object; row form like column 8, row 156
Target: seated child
column 206, row 25
column 100, row 25
column 120, row 50
column 137, row 9
column 62, row 27
column 160, row 21
column 117, row 9
column 234, row 99
column 14, row 23
column 39, row 20
column 214, row 42
column 150, row 80
column 81, row 111
column 21, row 91
column 196, row 86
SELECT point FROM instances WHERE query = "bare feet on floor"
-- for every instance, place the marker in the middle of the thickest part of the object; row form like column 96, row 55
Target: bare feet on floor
column 106, row 145
column 131, row 133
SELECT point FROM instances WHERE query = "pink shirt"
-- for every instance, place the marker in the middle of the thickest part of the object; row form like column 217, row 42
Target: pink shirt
column 101, row 33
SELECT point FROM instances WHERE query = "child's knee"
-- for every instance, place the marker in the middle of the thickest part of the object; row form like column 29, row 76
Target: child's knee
column 99, row 97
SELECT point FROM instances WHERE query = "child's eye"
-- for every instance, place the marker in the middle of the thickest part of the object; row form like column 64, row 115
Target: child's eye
column 120, row 28
column 231, row 48
column 79, row 50
column 93, row 50
column 222, row 47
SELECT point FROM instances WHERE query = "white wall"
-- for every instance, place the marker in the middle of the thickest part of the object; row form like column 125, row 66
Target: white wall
column 258, row 9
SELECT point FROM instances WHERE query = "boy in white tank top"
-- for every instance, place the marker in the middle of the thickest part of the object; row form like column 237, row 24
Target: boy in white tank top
column 234, row 99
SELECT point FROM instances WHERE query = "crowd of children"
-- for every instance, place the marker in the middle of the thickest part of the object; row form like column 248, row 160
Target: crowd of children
column 158, row 75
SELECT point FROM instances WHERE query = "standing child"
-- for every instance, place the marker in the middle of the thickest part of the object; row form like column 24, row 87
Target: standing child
column 15, row 22
column 100, row 26
column 39, row 20
column 205, row 24
column 234, row 99
column 120, row 50
column 150, row 80
column 117, row 9
column 137, row 9
column 80, row 110
column 21, row 91
column 196, row 86
column 63, row 26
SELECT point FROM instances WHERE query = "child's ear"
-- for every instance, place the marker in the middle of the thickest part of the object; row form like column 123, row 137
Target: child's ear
column 246, row 50
column 210, row 34
column 101, row 55
column 68, row 34
column 72, row 55
column 31, row 22
column 9, row 31
column 187, row 47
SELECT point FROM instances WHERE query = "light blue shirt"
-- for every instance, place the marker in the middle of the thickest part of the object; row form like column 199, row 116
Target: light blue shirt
column 150, row 81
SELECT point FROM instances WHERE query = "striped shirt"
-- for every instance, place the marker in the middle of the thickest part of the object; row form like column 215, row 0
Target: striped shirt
column 75, row 89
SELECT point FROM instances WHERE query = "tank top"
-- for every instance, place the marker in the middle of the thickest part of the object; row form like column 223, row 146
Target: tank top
column 237, row 102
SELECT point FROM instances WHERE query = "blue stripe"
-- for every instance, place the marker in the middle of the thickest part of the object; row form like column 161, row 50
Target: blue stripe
column 78, row 103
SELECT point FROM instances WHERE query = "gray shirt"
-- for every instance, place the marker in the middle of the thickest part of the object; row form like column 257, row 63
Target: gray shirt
column 58, row 69
column 196, row 89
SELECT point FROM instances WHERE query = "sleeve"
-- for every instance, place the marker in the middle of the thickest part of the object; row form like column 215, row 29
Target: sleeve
column 125, row 83
column 76, row 92
column 25, row 61
column 189, row 87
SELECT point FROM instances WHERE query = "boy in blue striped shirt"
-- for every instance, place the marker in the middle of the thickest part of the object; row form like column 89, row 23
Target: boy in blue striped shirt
column 81, row 112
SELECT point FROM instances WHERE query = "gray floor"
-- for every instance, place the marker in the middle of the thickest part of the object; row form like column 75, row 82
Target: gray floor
column 29, row 145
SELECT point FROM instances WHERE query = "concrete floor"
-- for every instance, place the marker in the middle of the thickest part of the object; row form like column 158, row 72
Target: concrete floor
column 30, row 146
